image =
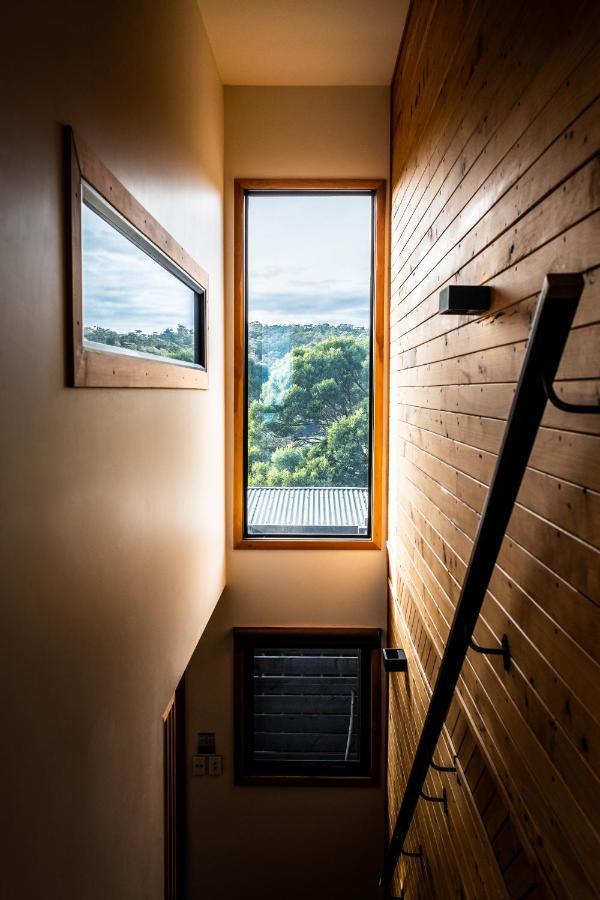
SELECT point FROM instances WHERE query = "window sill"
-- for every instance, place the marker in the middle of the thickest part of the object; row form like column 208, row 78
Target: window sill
column 372, row 780
column 305, row 544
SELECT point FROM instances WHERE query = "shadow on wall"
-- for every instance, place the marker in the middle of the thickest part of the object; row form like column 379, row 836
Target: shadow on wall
column 268, row 842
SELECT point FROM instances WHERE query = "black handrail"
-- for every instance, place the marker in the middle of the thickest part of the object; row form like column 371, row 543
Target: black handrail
column 553, row 318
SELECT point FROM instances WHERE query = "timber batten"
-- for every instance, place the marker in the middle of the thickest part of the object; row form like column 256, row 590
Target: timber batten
column 496, row 180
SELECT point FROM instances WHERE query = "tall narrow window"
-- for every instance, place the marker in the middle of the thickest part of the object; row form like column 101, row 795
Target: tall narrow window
column 308, row 348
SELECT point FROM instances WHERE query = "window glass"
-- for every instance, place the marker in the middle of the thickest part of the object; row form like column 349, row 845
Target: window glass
column 306, row 704
column 132, row 303
column 309, row 286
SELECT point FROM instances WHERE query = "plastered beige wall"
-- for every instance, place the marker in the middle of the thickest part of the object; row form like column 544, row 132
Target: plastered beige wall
column 112, row 502
column 268, row 843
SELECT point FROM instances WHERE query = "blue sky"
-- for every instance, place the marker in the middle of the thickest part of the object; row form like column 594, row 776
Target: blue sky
column 123, row 289
column 309, row 259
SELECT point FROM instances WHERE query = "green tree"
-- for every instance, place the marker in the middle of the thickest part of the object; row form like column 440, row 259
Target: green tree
column 318, row 434
column 345, row 451
column 258, row 374
column 328, row 380
column 174, row 345
column 262, row 442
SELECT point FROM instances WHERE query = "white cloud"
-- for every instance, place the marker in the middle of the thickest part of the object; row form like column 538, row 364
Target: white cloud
column 123, row 288
column 309, row 259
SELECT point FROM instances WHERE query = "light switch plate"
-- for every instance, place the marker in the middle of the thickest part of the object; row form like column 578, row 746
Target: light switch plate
column 215, row 765
column 198, row 766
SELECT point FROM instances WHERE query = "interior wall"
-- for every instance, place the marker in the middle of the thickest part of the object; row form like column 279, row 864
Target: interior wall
column 496, row 128
column 267, row 842
column 112, row 529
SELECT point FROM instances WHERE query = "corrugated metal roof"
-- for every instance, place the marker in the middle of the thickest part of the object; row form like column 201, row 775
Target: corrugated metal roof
column 298, row 509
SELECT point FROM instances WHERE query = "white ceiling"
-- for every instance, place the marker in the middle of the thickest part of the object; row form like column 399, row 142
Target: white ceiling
column 304, row 42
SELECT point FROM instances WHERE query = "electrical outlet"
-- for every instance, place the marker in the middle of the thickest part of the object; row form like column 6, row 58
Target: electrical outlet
column 198, row 766
column 215, row 765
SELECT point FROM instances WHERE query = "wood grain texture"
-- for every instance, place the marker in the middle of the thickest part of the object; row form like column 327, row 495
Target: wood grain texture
column 496, row 180
column 379, row 375
column 174, row 768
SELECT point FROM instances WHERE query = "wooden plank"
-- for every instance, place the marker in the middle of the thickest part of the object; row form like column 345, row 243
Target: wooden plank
column 456, row 151
column 468, row 821
column 504, row 327
column 574, row 508
column 566, row 130
column 402, row 609
column 576, row 249
column 529, row 800
column 474, row 263
column 569, row 456
column 505, row 846
column 474, row 770
column 579, row 674
column 422, row 822
column 484, row 793
column 575, row 561
column 452, row 127
column 496, row 180
column 580, row 779
column 438, row 54
column 556, row 598
column 495, row 816
column 503, row 363
column 426, row 815
column 494, row 401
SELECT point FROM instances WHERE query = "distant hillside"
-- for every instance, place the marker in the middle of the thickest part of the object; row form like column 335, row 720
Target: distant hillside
column 173, row 343
column 270, row 343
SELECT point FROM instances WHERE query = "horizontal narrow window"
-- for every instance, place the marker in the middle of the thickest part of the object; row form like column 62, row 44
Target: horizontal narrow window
column 136, row 301
column 306, row 434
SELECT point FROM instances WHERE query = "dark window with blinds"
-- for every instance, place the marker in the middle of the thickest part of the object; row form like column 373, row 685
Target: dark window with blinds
column 307, row 705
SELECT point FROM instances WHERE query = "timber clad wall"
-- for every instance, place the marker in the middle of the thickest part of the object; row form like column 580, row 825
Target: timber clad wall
column 495, row 179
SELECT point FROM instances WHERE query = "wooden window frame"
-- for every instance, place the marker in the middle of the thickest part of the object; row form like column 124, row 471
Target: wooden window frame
column 245, row 639
column 103, row 368
column 378, row 188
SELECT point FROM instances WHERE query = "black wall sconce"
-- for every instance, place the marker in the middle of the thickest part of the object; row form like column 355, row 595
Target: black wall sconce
column 464, row 300
column 394, row 660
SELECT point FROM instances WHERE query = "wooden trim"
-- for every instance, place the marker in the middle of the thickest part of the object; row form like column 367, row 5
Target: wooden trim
column 378, row 186
column 245, row 639
column 174, row 802
column 401, row 49
column 103, row 368
column 473, row 728
column 169, row 707
column 458, row 787
column 318, row 634
column 239, row 350
column 169, row 801
column 379, row 368
column 309, row 184
column 305, row 544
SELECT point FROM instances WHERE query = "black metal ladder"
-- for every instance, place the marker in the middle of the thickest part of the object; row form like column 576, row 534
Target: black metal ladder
column 553, row 318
